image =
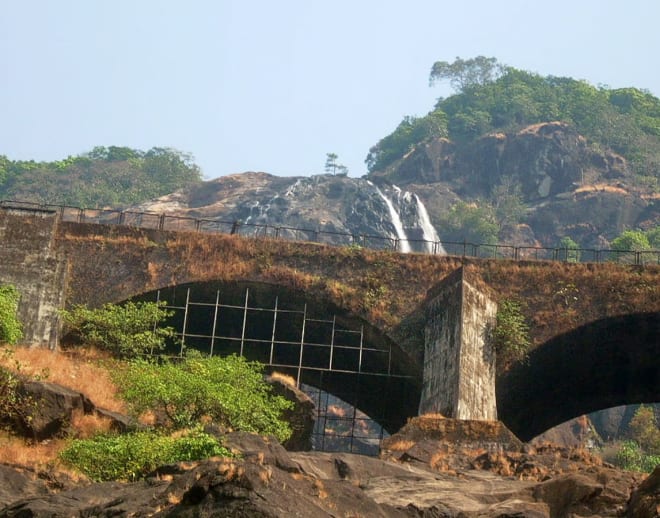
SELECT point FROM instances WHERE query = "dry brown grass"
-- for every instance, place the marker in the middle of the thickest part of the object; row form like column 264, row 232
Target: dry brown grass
column 400, row 445
column 601, row 187
column 88, row 425
column 37, row 456
column 344, row 276
column 283, row 378
column 79, row 370
column 432, row 415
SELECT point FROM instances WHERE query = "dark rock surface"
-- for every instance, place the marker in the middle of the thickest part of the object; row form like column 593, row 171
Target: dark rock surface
column 645, row 500
column 268, row 481
column 50, row 407
column 53, row 408
column 301, row 417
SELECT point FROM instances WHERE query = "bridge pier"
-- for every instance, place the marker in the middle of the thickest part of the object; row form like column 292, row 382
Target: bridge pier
column 459, row 359
column 31, row 264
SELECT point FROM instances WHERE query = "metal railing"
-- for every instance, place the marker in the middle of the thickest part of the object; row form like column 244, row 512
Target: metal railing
column 162, row 221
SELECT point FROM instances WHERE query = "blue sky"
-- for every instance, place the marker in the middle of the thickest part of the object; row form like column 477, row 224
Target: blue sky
column 257, row 85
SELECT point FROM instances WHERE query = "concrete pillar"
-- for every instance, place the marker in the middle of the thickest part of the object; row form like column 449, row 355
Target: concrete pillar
column 459, row 359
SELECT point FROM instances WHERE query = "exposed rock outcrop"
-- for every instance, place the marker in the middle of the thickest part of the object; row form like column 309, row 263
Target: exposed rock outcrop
column 270, row 482
column 49, row 409
column 570, row 187
column 301, row 417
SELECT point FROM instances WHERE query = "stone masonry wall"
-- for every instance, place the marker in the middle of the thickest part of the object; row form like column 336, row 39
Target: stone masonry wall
column 29, row 262
column 440, row 391
column 459, row 363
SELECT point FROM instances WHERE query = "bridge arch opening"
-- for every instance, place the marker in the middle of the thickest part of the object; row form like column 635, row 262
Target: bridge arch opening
column 335, row 355
column 603, row 364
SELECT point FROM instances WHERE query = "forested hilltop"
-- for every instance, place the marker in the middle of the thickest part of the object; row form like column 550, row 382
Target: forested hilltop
column 104, row 177
column 491, row 97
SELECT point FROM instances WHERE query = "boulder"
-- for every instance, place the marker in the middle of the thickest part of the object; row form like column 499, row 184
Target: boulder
column 301, row 417
column 645, row 501
column 49, row 409
column 17, row 483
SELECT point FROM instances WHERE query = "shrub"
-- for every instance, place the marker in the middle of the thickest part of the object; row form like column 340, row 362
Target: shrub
column 132, row 456
column 568, row 250
column 230, row 391
column 13, row 405
column 631, row 457
column 511, row 333
column 644, row 430
column 127, row 330
column 10, row 327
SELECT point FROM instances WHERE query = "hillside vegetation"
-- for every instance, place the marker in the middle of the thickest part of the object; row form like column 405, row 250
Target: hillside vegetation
column 491, row 97
column 104, row 177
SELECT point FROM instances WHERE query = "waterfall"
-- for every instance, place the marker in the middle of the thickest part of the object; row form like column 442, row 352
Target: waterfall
column 404, row 246
column 428, row 230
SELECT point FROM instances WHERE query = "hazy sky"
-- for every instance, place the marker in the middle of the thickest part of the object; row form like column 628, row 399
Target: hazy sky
column 263, row 85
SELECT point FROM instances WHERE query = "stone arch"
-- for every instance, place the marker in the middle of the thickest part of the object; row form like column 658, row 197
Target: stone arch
column 606, row 363
column 389, row 400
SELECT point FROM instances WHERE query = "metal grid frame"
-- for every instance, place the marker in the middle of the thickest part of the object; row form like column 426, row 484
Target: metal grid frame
column 349, row 433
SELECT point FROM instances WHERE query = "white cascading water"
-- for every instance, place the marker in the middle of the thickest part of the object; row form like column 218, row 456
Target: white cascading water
column 404, row 246
column 428, row 230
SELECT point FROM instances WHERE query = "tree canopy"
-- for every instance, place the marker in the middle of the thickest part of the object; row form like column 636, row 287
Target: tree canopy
column 103, row 177
column 493, row 97
column 464, row 73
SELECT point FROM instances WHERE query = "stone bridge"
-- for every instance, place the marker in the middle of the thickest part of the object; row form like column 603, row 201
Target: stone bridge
column 595, row 327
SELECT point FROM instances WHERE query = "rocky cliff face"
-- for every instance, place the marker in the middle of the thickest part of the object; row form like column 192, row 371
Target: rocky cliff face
column 569, row 189
column 337, row 206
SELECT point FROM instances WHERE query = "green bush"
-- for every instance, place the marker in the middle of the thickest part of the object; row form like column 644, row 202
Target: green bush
column 230, row 391
column 568, row 250
column 631, row 457
column 511, row 333
column 644, row 430
column 127, row 330
column 132, row 456
column 14, row 406
column 10, row 327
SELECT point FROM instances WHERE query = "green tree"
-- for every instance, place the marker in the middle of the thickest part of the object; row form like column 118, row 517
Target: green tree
column 465, row 73
column 507, row 200
column 631, row 457
column 127, row 330
column 511, row 334
column 492, row 97
column 627, row 243
column 231, row 391
column 103, row 177
column 653, row 237
column 410, row 132
column 332, row 166
column 474, row 223
column 569, row 250
column 644, row 430
column 11, row 329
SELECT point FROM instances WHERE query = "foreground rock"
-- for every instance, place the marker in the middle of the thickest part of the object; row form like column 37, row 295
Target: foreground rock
column 268, row 481
column 49, row 409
